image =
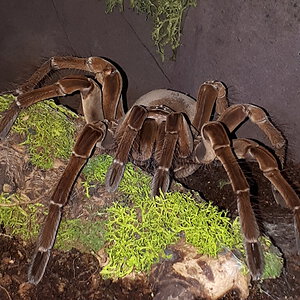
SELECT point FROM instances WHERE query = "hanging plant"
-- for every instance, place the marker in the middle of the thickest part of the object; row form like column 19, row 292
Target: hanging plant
column 167, row 17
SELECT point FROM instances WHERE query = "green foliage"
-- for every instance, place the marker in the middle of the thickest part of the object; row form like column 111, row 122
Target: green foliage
column 138, row 235
column 139, row 229
column 22, row 221
column 19, row 220
column 47, row 128
column 167, row 16
column 95, row 171
column 133, row 181
column 5, row 101
column 85, row 235
column 273, row 259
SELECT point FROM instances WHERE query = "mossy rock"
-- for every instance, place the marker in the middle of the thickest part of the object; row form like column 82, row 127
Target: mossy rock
column 48, row 130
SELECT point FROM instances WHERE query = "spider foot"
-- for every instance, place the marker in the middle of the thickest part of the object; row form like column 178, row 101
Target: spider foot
column 254, row 259
column 114, row 175
column 278, row 198
column 161, row 181
column 8, row 120
column 38, row 266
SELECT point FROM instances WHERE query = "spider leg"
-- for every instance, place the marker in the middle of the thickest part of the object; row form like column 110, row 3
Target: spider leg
column 90, row 96
column 8, row 119
column 215, row 137
column 210, row 93
column 236, row 114
column 106, row 74
column 143, row 146
column 126, row 134
column 247, row 149
column 176, row 132
column 159, row 142
column 185, row 138
column 90, row 135
column 185, row 148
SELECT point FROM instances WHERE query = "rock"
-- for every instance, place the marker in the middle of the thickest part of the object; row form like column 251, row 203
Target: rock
column 193, row 275
column 7, row 188
column 24, row 290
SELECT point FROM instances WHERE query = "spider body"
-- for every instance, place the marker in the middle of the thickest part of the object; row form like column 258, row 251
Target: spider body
column 171, row 128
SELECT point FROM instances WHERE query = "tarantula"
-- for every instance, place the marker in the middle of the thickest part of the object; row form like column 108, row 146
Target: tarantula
column 167, row 126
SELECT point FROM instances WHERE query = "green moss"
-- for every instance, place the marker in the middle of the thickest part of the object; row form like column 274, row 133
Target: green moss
column 19, row 220
column 273, row 259
column 95, row 171
column 23, row 221
column 47, row 128
column 5, row 101
column 167, row 17
column 139, row 229
column 134, row 179
column 85, row 235
column 138, row 235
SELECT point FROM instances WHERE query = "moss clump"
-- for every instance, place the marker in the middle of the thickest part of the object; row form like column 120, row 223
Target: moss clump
column 23, row 221
column 139, row 230
column 167, row 17
column 47, row 128
column 273, row 259
column 134, row 180
column 85, row 235
column 95, row 171
column 138, row 235
column 19, row 220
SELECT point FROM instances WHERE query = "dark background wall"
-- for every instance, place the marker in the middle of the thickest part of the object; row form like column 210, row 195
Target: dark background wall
column 252, row 46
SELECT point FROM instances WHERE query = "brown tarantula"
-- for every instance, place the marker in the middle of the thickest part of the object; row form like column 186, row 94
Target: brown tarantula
column 170, row 127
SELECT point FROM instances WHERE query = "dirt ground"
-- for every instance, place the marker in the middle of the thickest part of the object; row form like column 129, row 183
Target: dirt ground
column 75, row 275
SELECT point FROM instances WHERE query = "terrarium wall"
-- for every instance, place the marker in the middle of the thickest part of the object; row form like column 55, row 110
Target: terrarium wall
column 253, row 47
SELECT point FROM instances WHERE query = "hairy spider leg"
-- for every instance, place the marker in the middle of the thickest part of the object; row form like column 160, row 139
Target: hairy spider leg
column 236, row 114
column 142, row 147
column 90, row 135
column 126, row 135
column 105, row 72
column 249, row 150
column 216, row 140
column 211, row 93
column 90, row 95
column 176, row 135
